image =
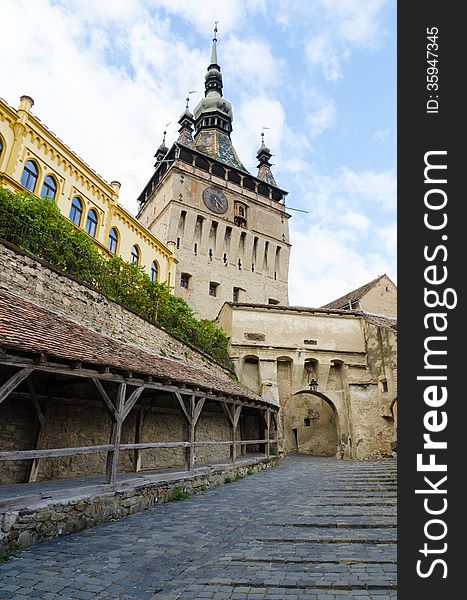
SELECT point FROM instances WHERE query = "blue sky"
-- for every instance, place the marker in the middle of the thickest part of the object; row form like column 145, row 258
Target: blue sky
column 108, row 76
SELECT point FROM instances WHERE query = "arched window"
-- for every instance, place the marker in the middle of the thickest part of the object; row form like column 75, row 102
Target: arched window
column 113, row 240
column 49, row 187
column 91, row 223
column 29, row 176
column 1, row 146
column 135, row 255
column 154, row 271
column 76, row 211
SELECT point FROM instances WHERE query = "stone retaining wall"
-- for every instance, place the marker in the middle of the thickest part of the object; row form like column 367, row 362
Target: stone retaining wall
column 49, row 287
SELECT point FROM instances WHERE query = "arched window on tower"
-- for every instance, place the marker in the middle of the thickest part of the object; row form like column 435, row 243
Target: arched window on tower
column 240, row 214
column 30, row 175
column 49, row 188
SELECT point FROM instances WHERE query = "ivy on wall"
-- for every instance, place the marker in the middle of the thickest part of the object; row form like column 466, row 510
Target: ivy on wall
column 38, row 227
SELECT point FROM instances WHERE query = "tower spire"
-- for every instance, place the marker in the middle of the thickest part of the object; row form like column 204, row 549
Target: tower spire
column 162, row 150
column 186, row 123
column 214, row 48
column 264, row 166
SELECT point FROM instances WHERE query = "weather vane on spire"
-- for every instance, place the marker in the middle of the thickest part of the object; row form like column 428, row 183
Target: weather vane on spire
column 188, row 97
column 262, row 133
column 215, row 29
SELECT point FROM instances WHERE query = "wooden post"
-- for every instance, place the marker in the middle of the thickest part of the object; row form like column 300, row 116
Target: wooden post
column 41, row 416
column 235, row 418
column 192, row 425
column 195, row 413
column 137, row 454
column 266, row 416
column 115, row 436
column 268, row 427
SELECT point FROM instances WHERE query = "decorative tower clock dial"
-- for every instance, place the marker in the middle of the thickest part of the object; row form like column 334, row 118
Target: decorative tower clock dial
column 215, row 200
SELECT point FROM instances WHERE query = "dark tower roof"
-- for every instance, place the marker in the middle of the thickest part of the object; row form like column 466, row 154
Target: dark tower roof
column 161, row 151
column 213, row 116
column 264, row 166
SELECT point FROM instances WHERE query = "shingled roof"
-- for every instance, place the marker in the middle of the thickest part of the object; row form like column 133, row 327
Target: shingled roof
column 28, row 328
column 354, row 295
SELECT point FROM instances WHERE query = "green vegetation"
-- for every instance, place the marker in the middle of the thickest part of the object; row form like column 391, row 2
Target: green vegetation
column 178, row 494
column 227, row 480
column 4, row 556
column 238, row 477
column 38, row 227
column 249, row 471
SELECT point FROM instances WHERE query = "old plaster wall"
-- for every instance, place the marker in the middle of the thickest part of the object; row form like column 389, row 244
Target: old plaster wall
column 381, row 298
column 310, row 426
column 352, row 359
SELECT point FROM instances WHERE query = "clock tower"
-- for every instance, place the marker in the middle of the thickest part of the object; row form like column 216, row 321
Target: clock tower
column 228, row 227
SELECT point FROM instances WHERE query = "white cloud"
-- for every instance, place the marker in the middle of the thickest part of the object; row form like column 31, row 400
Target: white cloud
column 250, row 63
column 322, row 113
column 325, row 267
column 230, row 13
column 357, row 221
column 373, row 186
column 335, row 28
column 321, row 52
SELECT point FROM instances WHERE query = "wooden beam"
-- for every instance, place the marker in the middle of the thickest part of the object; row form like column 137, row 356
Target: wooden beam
column 89, row 373
column 37, row 406
column 115, row 436
column 14, row 381
column 236, row 415
column 144, row 445
column 34, row 469
column 105, row 398
column 137, row 455
column 192, row 433
column 268, row 426
column 198, row 409
column 227, row 412
column 183, row 406
column 132, row 400
column 53, row 452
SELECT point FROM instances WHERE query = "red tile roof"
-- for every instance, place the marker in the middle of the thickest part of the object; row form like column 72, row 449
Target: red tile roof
column 29, row 328
column 354, row 295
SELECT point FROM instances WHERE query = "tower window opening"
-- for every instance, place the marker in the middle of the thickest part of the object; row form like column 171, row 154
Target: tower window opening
column 195, row 249
column 213, row 286
column 210, row 253
column 185, row 280
column 178, row 243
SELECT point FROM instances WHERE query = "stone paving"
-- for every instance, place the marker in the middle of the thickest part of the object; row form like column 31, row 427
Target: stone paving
column 311, row 528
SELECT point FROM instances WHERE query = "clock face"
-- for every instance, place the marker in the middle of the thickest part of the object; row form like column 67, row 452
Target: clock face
column 215, row 200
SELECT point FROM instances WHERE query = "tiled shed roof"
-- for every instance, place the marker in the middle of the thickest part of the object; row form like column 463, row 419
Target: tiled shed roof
column 354, row 295
column 28, row 328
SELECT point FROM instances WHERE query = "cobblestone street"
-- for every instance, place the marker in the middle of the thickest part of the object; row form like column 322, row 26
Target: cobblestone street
column 311, row 528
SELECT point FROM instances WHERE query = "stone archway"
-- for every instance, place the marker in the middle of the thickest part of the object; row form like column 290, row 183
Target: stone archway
column 311, row 424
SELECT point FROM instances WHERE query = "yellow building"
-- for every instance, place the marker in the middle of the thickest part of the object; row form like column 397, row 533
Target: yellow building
column 33, row 158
